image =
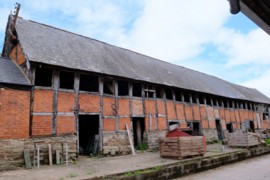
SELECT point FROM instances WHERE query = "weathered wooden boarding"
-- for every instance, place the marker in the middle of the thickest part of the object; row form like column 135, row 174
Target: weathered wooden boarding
column 240, row 139
column 181, row 147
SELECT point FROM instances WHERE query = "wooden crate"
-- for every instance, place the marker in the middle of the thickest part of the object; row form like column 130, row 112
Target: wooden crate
column 181, row 147
column 240, row 139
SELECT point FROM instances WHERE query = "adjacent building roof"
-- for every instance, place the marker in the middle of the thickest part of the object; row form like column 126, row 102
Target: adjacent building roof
column 11, row 74
column 256, row 10
column 45, row 44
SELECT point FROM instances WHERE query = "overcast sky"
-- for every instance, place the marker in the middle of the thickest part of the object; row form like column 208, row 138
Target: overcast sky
column 197, row 34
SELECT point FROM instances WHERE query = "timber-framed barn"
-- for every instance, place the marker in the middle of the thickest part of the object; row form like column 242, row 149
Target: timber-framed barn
column 79, row 90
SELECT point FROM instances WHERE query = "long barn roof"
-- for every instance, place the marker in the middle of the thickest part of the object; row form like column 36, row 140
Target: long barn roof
column 45, row 44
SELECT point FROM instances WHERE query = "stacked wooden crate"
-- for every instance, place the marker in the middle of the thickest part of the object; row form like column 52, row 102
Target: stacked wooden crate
column 181, row 147
column 240, row 139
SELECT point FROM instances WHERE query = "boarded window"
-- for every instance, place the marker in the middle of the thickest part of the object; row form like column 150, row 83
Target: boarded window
column 137, row 89
column 169, row 94
column 123, row 88
column 89, row 83
column 66, row 80
column 43, row 77
column 108, row 86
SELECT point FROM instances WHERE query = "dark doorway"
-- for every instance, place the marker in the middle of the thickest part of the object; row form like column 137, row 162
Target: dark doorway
column 88, row 134
column 196, row 127
column 219, row 129
column 138, row 130
column 251, row 126
column 229, row 127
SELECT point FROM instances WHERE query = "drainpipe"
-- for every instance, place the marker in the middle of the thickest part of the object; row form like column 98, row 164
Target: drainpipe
column 234, row 6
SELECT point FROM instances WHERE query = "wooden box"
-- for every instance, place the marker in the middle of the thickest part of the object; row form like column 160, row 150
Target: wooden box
column 181, row 147
column 240, row 139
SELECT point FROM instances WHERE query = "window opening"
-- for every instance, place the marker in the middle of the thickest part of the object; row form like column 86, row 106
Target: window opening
column 201, row 99
column 186, row 97
column 149, row 91
column 208, row 101
column 66, row 80
column 178, row 95
column 43, row 77
column 173, row 125
column 169, row 94
column 137, row 89
column 194, row 98
column 108, row 86
column 159, row 92
column 226, row 104
column 123, row 89
column 89, row 83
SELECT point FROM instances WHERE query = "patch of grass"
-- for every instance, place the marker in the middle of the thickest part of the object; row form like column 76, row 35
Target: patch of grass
column 267, row 141
column 128, row 174
column 142, row 146
column 61, row 178
column 72, row 174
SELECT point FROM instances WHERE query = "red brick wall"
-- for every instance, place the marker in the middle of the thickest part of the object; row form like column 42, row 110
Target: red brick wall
column 162, row 124
column 170, row 110
column 137, row 107
column 147, row 123
column 204, row 117
column 43, row 101
column 108, row 104
column 65, row 125
column 41, row 125
column 227, row 115
column 196, row 111
column 14, row 113
column 123, row 122
column 161, row 107
column 232, row 114
column 150, row 107
column 89, row 103
column 123, row 107
column 65, row 102
column 17, row 54
column 216, row 111
column 180, row 111
column 189, row 113
column 109, row 124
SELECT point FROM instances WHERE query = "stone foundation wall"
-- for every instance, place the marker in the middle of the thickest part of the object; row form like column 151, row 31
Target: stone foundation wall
column 115, row 143
column 210, row 134
column 11, row 151
column 153, row 138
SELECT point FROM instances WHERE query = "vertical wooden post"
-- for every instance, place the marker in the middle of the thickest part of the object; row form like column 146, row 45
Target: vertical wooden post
column 130, row 141
column 66, row 147
column 50, row 154
column 38, row 156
